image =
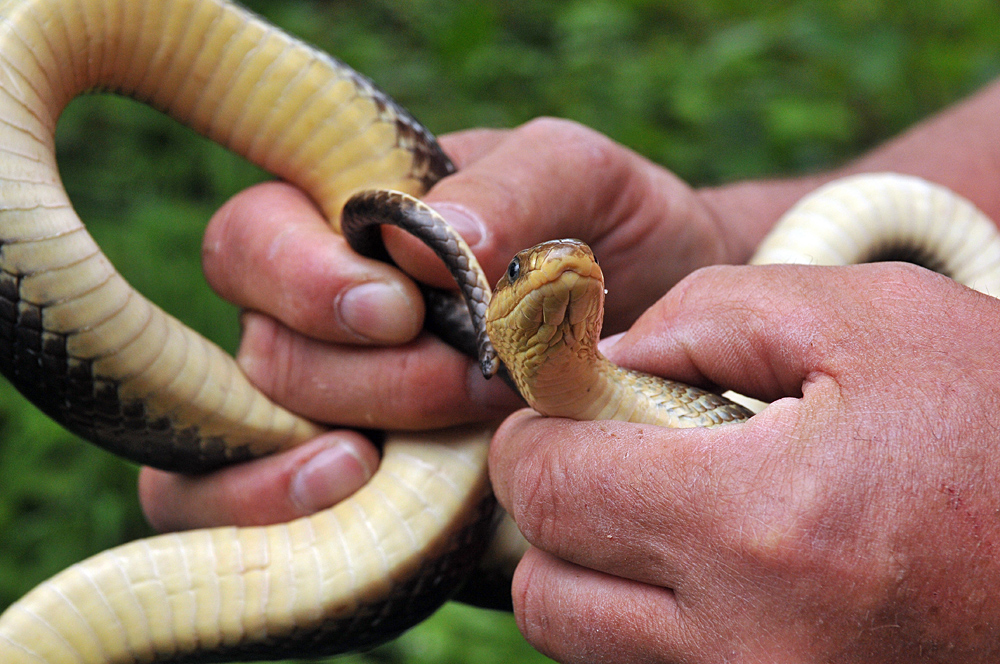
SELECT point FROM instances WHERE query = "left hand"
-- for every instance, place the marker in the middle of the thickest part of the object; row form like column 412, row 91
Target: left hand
column 318, row 339
column 854, row 519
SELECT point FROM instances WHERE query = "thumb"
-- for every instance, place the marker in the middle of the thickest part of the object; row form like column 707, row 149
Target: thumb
column 552, row 179
column 764, row 331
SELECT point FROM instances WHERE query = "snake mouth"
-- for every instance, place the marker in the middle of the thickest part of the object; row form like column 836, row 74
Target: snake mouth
column 570, row 297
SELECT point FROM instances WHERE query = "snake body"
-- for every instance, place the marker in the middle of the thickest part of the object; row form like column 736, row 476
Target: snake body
column 69, row 320
column 102, row 360
column 98, row 357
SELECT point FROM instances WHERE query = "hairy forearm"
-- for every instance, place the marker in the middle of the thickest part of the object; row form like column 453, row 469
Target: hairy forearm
column 959, row 148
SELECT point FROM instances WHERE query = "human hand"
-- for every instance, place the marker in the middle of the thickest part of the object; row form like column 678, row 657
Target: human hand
column 854, row 519
column 356, row 357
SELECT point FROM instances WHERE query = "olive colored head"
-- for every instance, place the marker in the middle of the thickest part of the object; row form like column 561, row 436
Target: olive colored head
column 547, row 308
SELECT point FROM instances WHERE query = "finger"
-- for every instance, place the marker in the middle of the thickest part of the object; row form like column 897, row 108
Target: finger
column 270, row 249
column 553, row 178
column 274, row 489
column 419, row 385
column 773, row 330
column 616, row 497
column 574, row 614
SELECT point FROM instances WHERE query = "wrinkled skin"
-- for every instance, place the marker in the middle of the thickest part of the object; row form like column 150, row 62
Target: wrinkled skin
column 853, row 520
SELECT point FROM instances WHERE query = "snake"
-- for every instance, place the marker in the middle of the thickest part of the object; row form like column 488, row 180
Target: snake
column 99, row 358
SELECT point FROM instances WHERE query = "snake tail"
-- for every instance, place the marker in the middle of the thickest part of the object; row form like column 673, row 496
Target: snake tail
column 367, row 211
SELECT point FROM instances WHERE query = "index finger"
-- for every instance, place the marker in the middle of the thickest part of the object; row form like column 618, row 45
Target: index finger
column 636, row 501
column 773, row 331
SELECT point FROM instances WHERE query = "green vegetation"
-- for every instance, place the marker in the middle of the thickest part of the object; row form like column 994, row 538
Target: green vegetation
column 714, row 89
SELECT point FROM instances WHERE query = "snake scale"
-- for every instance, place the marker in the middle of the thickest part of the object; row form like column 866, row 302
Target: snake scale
column 95, row 355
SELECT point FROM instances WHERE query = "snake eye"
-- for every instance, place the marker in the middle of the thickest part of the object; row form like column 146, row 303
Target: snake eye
column 514, row 270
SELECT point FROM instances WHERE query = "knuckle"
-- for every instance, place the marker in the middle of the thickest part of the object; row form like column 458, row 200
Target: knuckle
column 235, row 232
column 905, row 281
column 400, row 389
column 531, row 592
column 588, row 150
column 218, row 245
column 418, row 402
column 709, row 277
column 415, row 369
column 807, row 532
column 561, row 129
column 269, row 355
column 541, row 496
column 855, row 334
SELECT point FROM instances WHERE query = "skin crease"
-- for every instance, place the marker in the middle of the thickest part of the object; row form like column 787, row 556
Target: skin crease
column 853, row 520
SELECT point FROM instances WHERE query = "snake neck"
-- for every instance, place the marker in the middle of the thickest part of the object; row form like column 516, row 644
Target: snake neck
column 563, row 378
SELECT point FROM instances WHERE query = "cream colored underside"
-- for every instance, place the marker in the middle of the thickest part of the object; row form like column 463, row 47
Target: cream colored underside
column 296, row 112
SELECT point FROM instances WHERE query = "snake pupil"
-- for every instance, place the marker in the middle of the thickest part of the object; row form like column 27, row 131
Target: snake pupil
column 514, row 270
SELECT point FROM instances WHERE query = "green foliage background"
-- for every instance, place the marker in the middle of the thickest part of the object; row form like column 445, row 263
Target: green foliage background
column 714, row 89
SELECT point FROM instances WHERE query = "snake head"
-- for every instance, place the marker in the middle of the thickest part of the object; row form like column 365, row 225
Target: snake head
column 548, row 304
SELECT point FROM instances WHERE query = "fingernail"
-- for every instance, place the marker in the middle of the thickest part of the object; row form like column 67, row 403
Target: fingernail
column 468, row 225
column 379, row 312
column 328, row 477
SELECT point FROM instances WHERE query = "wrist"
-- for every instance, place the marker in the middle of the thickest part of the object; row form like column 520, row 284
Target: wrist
column 744, row 212
column 959, row 148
